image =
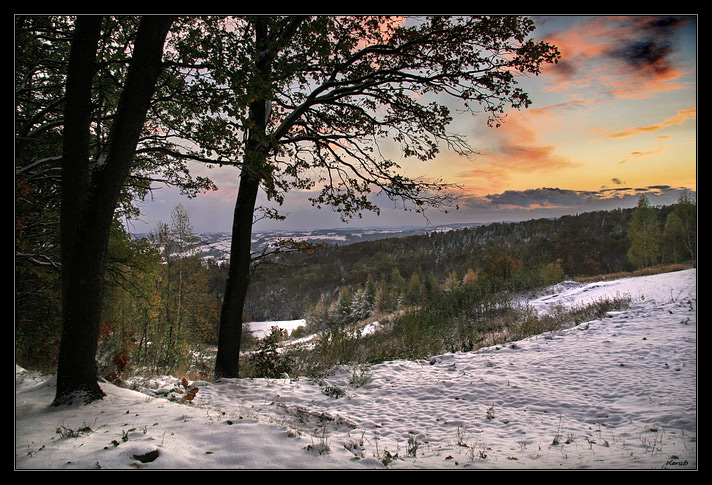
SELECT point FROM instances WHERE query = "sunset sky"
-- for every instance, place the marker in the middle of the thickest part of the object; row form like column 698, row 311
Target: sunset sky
column 614, row 119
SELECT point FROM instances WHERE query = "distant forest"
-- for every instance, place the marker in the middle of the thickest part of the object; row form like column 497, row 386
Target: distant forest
column 586, row 244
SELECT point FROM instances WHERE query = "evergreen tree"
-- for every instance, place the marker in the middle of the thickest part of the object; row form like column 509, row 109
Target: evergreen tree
column 364, row 301
column 344, row 307
column 644, row 232
column 318, row 317
column 680, row 234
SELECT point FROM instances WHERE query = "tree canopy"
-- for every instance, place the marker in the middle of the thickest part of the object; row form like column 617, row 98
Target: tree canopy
column 338, row 87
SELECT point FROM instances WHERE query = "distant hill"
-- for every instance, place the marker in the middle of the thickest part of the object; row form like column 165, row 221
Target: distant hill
column 216, row 245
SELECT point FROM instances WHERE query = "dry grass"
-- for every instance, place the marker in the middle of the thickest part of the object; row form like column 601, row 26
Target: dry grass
column 652, row 270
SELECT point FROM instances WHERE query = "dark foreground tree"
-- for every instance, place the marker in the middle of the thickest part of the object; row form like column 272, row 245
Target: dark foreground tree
column 313, row 103
column 91, row 195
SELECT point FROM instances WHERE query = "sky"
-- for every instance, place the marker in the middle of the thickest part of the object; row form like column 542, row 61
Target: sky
column 614, row 119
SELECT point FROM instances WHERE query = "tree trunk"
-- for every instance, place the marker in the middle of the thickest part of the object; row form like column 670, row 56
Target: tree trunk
column 77, row 369
column 230, row 330
column 87, row 227
column 254, row 169
column 77, row 117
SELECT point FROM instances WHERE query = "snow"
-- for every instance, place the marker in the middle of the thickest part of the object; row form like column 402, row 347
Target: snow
column 614, row 393
column 262, row 329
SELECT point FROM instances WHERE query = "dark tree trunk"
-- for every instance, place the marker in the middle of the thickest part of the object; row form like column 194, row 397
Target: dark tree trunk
column 77, row 369
column 230, row 330
column 77, row 116
column 86, row 222
column 254, row 170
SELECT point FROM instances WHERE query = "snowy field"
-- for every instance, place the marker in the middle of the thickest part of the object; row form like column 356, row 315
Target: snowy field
column 615, row 393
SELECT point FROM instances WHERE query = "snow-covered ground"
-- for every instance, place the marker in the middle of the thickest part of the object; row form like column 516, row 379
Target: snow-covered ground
column 262, row 329
column 615, row 393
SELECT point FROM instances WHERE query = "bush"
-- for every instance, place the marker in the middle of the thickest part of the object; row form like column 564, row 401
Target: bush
column 268, row 361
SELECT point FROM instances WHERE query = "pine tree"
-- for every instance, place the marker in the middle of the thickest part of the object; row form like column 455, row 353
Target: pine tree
column 318, row 317
column 644, row 233
column 364, row 301
column 680, row 233
column 344, row 306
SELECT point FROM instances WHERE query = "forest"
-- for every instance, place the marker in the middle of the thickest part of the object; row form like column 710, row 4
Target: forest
column 163, row 301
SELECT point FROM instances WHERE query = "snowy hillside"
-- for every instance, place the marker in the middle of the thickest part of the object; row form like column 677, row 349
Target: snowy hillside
column 615, row 393
column 216, row 245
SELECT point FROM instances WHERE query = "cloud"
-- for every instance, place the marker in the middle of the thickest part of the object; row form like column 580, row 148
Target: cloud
column 624, row 56
column 680, row 117
column 641, row 154
column 516, row 145
column 651, row 48
column 554, row 202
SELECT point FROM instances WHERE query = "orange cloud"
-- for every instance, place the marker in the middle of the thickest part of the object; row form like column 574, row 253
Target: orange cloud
column 519, row 148
column 516, row 148
column 483, row 180
column 639, row 154
column 640, row 85
column 681, row 117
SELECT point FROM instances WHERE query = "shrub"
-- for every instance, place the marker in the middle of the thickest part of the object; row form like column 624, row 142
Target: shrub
column 477, row 314
column 268, row 361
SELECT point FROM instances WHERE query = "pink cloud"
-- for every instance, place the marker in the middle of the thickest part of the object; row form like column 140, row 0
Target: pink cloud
column 519, row 147
column 628, row 56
